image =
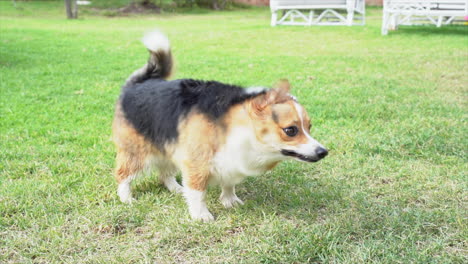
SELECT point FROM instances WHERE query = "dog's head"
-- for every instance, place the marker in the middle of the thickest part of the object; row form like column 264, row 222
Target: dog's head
column 282, row 125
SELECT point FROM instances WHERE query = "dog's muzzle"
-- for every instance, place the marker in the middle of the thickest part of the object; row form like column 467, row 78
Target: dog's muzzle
column 319, row 154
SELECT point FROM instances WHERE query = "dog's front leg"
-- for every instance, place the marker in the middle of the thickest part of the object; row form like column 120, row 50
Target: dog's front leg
column 193, row 156
column 195, row 185
column 228, row 197
column 197, row 205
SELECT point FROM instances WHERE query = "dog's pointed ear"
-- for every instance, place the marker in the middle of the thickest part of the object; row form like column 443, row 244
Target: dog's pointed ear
column 262, row 101
column 278, row 94
column 283, row 86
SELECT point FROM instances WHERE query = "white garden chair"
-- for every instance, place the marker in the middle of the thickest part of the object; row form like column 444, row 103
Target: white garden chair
column 329, row 12
column 415, row 12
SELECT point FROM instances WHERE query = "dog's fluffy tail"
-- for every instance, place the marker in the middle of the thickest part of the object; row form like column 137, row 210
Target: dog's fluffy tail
column 160, row 62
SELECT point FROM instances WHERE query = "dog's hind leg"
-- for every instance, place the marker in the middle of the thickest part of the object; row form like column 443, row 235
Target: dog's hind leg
column 134, row 154
column 124, row 191
column 128, row 168
column 167, row 174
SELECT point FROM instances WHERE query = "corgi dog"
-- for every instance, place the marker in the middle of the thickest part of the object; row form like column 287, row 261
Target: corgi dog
column 210, row 132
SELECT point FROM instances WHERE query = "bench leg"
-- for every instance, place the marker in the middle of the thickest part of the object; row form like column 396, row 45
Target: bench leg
column 274, row 18
column 385, row 19
column 393, row 22
column 349, row 18
column 363, row 8
column 350, row 9
column 311, row 17
column 439, row 21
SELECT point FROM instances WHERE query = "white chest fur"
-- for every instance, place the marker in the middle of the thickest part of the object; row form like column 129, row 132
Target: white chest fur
column 242, row 156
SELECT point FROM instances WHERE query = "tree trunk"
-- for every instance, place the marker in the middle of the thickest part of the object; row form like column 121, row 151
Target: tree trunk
column 72, row 9
column 214, row 5
column 223, row 4
column 75, row 9
column 218, row 4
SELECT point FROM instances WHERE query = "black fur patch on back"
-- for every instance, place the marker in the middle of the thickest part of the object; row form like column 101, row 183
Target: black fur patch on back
column 155, row 107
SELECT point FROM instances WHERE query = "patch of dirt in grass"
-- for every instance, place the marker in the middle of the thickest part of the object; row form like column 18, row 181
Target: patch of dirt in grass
column 138, row 8
column 145, row 7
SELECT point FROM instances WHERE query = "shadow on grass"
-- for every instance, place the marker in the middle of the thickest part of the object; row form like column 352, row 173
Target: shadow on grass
column 424, row 30
column 293, row 195
column 9, row 60
column 151, row 185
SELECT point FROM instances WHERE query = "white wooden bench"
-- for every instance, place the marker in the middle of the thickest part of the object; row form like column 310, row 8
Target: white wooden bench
column 413, row 12
column 329, row 12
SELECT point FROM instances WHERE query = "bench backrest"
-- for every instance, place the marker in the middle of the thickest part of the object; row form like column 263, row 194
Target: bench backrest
column 428, row 4
column 307, row 2
column 452, row 2
column 422, row 1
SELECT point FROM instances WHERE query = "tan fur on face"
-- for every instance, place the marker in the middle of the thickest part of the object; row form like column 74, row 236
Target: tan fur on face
column 277, row 110
column 287, row 116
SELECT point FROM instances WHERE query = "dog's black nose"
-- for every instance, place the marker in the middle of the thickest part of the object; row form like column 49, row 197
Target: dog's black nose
column 321, row 152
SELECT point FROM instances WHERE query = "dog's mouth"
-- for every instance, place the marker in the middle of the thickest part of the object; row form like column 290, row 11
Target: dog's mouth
column 294, row 154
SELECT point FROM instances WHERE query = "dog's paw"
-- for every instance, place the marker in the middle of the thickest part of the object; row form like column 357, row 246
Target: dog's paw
column 204, row 217
column 175, row 188
column 172, row 185
column 127, row 199
column 124, row 193
column 230, row 201
column 178, row 189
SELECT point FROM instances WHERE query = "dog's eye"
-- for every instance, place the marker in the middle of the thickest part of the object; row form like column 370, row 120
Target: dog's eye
column 291, row 131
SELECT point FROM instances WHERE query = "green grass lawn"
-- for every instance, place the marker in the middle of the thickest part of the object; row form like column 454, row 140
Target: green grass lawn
column 392, row 110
